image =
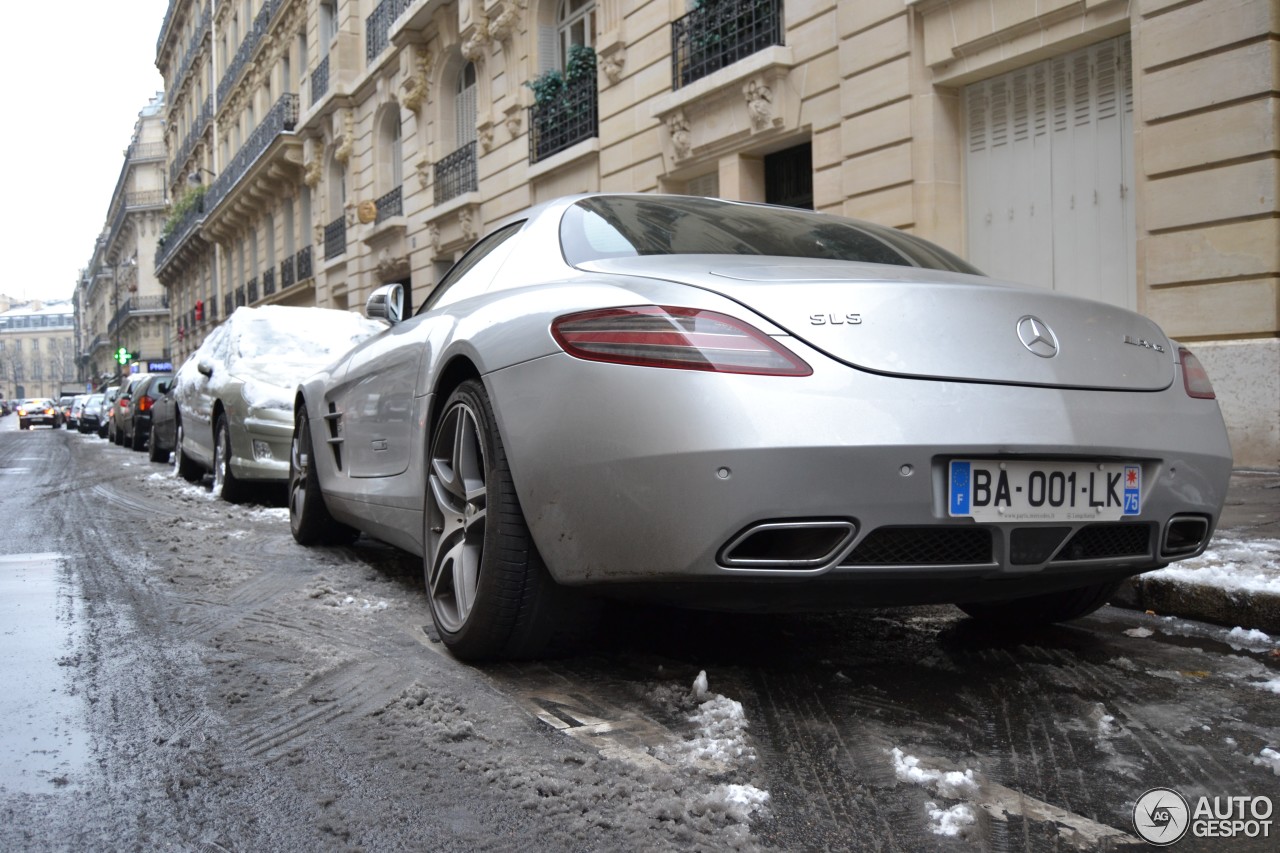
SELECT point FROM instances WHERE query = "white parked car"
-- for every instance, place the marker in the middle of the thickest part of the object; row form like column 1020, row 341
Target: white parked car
column 235, row 393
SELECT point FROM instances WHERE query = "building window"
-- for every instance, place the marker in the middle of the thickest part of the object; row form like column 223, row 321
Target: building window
column 464, row 105
column 575, row 24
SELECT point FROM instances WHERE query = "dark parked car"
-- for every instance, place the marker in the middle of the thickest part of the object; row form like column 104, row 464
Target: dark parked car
column 164, row 426
column 108, row 406
column 39, row 411
column 92, row 414
column 77, row 409
column 64, row 408
column 122, row 409
column 137, row 418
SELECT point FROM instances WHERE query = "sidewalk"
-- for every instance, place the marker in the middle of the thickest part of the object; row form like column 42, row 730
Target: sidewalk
column 1236, row 582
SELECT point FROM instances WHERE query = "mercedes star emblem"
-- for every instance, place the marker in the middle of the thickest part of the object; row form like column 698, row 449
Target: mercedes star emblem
column 1037, row 337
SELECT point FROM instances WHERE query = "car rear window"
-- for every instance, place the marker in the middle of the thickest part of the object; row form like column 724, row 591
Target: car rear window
column 602, row 227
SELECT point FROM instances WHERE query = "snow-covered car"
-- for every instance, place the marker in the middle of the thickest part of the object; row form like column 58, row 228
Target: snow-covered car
column 234, row 395
column 739, row 406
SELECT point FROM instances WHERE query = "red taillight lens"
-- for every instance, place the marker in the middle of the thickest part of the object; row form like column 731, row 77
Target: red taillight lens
column 1194, row 377
column 123, row 404
column 145, row 403
column 681, row 338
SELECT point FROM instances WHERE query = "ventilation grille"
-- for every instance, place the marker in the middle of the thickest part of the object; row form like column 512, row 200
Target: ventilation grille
column 916, row 546
column 1107, row 541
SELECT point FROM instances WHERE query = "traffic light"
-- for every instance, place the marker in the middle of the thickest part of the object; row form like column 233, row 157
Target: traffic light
column 123, row 356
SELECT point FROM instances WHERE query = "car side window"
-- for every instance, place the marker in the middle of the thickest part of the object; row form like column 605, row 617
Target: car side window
column 474, row 270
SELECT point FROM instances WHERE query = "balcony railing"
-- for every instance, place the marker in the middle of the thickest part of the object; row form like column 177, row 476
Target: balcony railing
column 335, row 238
column 181, row 231
column 378, row 25
column 211, row 309
column 302, row 261
column 288, row 273
column 193, row 136
column 564, row 121
column 320, row 81
column 138, row 305
column 193, row 47
column 282, row 118
column 252, row 290
column 456, row 174
column 390, row 205
column 719, row 34
column 147, row 151
column 240, row 296
column 248, row 47
column 228, row 305
column 269, row 281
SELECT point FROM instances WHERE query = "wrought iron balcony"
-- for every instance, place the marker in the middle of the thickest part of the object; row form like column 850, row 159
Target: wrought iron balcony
column 282, row 118
column 248, row 47
column 564, row 121
column 228, row 304
column 211, row 309
column 193, row 47
column 193, row 136
column 390, row 205
column 377, row 27
column 288, row 273
column 456, row 174
column 320, row 81
column 719, row 33
column 303, row 262
column 268, row 281
column 146, row 151
column 240, row 296
column 252, row 290
column 181, row 231
column 138, row 305
column 335, row 238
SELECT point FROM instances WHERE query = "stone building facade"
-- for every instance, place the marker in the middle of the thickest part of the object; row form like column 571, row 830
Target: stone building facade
column 37, row 348
column 1120, row 150
column 119, row 301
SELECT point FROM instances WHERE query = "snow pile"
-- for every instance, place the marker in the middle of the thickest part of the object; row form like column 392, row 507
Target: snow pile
column 329, row 597
column 1105, row 723
column 952, row 821
column 952, row 784
column 1273, row 685
column 722, row 728
column 1268, row 758
column 1252, row 640
column 1140, row 633
column 1235, row 565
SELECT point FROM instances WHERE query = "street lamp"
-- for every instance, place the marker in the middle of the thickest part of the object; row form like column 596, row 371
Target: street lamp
column 115, row 308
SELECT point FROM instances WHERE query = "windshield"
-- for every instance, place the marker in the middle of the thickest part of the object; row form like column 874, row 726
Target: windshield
column 604, row 227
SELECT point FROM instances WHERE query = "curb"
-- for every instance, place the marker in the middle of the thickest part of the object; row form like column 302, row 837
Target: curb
column 1229, row 608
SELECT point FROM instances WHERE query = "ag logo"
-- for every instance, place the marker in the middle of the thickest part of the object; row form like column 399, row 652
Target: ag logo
column 1161, row 816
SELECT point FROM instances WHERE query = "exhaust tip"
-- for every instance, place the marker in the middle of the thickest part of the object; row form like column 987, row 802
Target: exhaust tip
column 1184, row 535
column 789, row 544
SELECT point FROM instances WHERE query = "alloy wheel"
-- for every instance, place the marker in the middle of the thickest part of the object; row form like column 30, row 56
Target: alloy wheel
column 457, row 516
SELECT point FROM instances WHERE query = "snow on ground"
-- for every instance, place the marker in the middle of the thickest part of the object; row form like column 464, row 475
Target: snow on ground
column 1268, row 758
column 1231, row 563
column 951, row 784
column 952, row 821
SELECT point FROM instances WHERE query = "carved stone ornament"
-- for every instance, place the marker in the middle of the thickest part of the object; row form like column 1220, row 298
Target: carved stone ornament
column 611, row 64
column 415, row 87
column 423, row 168
column 392, row 268
column 508, row 19
column 759, row 103
column 433, row 237
column 678, row 127
column 473, row 47
column 351, row 212
column 466, row 224
column 343, row 152
column 311, row 173
column 484, row 135
column 515, row 117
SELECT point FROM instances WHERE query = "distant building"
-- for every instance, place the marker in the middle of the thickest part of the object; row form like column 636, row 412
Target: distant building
column 119, row 302
column 37, row 348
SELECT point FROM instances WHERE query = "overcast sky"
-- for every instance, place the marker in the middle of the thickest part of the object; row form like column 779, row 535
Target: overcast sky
column 76, row 75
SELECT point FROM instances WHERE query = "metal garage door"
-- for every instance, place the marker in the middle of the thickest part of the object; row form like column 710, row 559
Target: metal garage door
column 1049, row 174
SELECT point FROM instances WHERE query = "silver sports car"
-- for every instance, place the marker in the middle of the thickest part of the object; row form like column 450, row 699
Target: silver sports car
column 729, row 405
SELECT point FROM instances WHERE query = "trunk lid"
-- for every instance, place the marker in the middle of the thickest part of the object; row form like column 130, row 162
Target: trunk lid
column 908, row 321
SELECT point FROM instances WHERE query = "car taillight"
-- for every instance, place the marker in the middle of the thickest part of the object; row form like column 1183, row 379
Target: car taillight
column 681, row 338
column 122, row 404
column 1194, row 377
column 145, row 403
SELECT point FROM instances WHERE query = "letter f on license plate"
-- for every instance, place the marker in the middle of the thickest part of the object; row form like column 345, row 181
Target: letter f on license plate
column 991, row 490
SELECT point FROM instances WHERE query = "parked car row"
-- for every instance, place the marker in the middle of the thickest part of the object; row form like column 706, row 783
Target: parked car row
column 714, row 404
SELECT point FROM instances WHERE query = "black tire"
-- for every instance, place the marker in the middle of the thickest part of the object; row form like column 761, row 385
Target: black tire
column 476, row 534
column 1043, row 609
column 24, row 424
column 137, row 440
column 154, row 453
column 187, row 468
column 224, row 479
column 309, row 518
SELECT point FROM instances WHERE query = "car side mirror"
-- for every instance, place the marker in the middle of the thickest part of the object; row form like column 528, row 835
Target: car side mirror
column 205, row 366
column 386, row 303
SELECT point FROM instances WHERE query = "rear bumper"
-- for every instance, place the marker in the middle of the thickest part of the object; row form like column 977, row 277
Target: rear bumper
column 644, row 476
column 260, row 445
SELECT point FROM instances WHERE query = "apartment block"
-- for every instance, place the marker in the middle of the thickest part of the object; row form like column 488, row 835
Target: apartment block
column 1122, row 150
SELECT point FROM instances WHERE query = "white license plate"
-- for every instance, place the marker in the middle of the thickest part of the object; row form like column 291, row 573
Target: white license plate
column 989, row 490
